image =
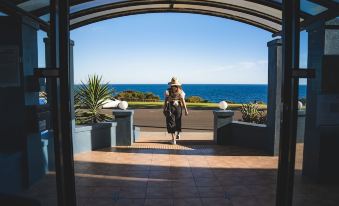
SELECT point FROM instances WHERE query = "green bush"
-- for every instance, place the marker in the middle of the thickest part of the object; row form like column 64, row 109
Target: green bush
column 195, row 99
column 230, row 102
column 136, row 96
column 251, row 113
column 259, row 102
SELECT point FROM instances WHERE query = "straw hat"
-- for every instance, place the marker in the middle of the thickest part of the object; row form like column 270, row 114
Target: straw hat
column 174, row 82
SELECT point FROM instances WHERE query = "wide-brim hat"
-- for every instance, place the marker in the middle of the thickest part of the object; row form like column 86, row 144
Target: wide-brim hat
column 174, row 82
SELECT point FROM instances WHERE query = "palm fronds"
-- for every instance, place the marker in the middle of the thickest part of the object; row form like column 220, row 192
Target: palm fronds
column 89, row 99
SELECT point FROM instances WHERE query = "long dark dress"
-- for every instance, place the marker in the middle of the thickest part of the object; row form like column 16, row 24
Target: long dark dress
column 174, row 112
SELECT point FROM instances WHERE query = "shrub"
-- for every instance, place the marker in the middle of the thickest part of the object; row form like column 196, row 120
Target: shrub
column 229, row 102
column 195, row 99
column 130, row 95
column 88, row 100
column 250, row 113
column 259, row 102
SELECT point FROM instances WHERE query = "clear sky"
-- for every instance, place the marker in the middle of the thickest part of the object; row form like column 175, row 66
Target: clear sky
column 151, row 48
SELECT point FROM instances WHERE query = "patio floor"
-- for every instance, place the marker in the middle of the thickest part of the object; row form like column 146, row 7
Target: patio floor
column 149, row 173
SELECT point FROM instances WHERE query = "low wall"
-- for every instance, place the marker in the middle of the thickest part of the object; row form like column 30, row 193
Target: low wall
column 250, row 135
column 256, row 136
column 97, row 136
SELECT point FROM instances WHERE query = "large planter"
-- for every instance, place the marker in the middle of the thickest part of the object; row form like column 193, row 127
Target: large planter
column 96, row 136
column 251, row 135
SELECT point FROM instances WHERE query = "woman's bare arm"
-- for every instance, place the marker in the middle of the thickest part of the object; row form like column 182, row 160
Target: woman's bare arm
column 164, row 106
column 185, row 106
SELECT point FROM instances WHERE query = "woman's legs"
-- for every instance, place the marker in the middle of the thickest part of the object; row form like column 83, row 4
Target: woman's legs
column 173, row 138
column 173, row 122
column 178, row 116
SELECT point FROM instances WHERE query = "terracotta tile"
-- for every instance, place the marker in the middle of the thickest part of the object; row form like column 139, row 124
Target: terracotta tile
column 158, row 202
column 159, row 183
column 170, row 174
column 184, row 182
column 238, row 190
column 130, row 202
column 262, row 190
column 245, row 201
column 97, row 202
column 213, row 192
column 266, row 200
column 165, row 192
column 185, row 192
column 188, row 202
column 216, row 202
column 206, row 182
column 133, row 192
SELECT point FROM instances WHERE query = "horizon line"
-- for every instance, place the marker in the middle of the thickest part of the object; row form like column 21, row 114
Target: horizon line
column 192, row 84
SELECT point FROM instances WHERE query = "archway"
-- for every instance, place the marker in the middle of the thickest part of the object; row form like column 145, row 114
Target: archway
column 316, row 11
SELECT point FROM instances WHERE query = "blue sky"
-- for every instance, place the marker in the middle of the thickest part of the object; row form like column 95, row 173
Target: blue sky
column 151, row 48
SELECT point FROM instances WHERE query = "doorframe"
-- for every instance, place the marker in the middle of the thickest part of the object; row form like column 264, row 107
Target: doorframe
column 59, row 34
column 60, row 89
column 290, row 63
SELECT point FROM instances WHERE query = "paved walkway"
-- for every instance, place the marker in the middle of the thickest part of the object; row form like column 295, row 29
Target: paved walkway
column 148, row 173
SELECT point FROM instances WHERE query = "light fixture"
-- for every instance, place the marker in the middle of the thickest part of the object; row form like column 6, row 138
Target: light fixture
column 300, row 105
column 223, row 105
column 123, row 105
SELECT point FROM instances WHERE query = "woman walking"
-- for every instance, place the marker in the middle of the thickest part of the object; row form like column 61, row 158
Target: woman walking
column 173, row 105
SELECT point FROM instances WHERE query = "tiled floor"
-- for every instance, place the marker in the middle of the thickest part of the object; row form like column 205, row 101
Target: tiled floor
column 162, row 174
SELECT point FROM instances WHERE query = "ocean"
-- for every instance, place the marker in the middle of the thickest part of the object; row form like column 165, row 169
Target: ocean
column 240, row 93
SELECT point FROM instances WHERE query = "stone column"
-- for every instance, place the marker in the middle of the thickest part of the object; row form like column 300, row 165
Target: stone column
column 124, row 130
column 222, row 126
column 321, row 147
column 274, row 95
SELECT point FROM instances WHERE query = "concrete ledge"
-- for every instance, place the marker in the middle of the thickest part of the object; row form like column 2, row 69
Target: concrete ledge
column 223, row 113
column 83, row 128
column 121, row 113
column 91, row 137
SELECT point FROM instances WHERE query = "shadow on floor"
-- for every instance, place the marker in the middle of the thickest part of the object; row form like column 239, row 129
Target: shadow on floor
column 209, row 175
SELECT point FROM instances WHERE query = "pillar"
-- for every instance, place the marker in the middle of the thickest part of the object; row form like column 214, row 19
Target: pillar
column 124, row 129
column 222, row 126
column 274, row 95
column 321, row 153
column 20, row 140
column 49, row 82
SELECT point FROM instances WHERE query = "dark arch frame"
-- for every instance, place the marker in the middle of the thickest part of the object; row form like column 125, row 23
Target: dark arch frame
column 160, row 10
column 216, row 5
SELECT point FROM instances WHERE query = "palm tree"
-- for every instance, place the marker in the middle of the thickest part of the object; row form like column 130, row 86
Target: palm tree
column 89, row 99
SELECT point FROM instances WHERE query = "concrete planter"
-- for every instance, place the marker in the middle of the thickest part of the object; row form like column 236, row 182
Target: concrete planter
column 251, row 135
column 96, row 136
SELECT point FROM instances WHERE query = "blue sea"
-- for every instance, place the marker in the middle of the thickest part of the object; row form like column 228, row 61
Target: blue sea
column 240, row 93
